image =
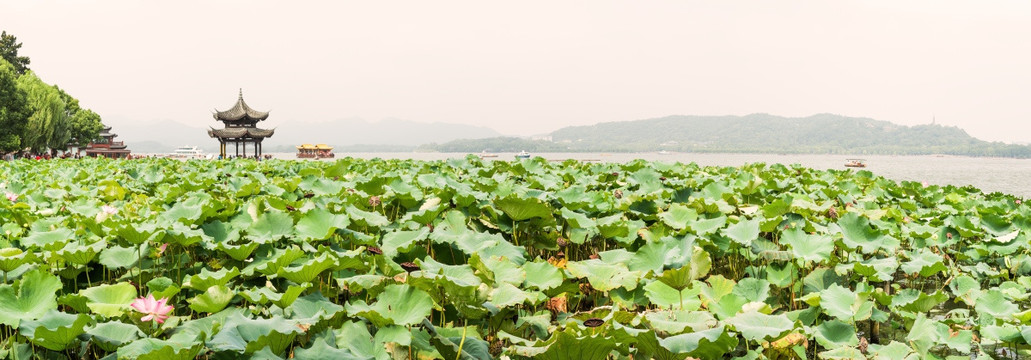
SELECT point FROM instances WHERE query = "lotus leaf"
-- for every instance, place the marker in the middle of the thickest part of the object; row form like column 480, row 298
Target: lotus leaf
column 113, row 334
column 858, row 233
column 676, row 322
column 894, row 350
column 213, row 300
column 679, row 216
column 604, row 277
column 265, row 295
column 844, row 304
column 117, row 257
column 308, row 270
column 241, row 334
column 916, row 301
column 542, row 275
column 319, row 224
column 664, row 296
column 808, row 248
column 398, row 305
column 270, row 227
column 162, row 287
column 707, row 344
column 55, row 330
column 12, row 258
column 29, row 298
column 206, row 279
column 109, row 300
column 320, row 350
column 743, row 232
column 835, row 334
column 923, row 262
column 402, row 241
column 994, row 303
column 53, row 239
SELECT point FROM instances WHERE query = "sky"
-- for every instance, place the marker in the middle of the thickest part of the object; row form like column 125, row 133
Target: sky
column 531, row 67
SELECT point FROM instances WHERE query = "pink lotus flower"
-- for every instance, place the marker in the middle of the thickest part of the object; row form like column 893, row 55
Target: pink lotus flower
column 110, row 210
column 925, row 184
column 161, row 249
column 156, row 310
column 1017, row 201
column 12, row 197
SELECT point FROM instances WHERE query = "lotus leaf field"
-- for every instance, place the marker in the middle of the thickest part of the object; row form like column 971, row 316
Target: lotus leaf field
column 466, row 259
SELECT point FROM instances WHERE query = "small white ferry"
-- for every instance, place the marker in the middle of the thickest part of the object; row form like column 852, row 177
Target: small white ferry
column 187, row 152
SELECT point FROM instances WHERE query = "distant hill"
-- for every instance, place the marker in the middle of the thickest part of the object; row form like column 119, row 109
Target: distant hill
column 345, row 134
column 763, row 133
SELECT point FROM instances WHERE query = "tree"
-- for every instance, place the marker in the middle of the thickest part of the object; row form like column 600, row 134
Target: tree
column 47, row 125
column 13, row 110
column 84, row 124
column 9, row 46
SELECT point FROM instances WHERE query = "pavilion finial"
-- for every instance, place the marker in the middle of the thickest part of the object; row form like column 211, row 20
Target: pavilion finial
column 241, row 93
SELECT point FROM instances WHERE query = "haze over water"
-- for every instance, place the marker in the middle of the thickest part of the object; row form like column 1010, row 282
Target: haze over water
column 1012, row 176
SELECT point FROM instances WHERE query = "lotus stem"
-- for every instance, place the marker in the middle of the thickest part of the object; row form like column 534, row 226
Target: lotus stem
column 462, row 343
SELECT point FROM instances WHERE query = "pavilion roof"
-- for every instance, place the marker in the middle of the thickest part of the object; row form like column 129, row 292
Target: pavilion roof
column 241, row 132
column 240, row 111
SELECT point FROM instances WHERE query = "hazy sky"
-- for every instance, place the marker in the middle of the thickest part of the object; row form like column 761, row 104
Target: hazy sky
column 529, row 67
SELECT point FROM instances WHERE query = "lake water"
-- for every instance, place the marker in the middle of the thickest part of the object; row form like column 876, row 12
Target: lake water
column 1005, row 175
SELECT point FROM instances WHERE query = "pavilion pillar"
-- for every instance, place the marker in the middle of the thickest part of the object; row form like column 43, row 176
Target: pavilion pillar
column 245, row 148
column 237, row 143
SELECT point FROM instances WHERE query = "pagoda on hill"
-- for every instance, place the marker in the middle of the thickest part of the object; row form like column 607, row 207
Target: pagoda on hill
column 240, row 128
column 106, row 146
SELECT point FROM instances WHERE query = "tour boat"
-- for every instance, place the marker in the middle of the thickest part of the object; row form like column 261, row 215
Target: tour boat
column 856, row 163
column 523, row 155
column 485, row 154
column 318, row 151
column 187, row 152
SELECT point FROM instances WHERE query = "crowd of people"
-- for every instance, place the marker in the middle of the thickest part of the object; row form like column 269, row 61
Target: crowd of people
column 11, row 156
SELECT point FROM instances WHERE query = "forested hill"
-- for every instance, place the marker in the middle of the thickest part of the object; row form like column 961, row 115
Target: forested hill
column 823, row 133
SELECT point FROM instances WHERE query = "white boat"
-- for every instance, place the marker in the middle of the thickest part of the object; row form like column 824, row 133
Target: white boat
column 187, row 152
column 664, row 152
column 523, row 155
column 486, row 154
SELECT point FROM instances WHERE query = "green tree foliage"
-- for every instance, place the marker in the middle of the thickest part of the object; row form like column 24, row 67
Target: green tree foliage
column 47, row 123
column 9, row 46
column 84, row 124
column 13, row 109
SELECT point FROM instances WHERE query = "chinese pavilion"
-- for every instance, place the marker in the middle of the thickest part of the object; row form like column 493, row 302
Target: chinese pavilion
column 240, row 128
column 107, row 146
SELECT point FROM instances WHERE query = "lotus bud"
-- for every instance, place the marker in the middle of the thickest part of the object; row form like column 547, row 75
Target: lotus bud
column 374, row 201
